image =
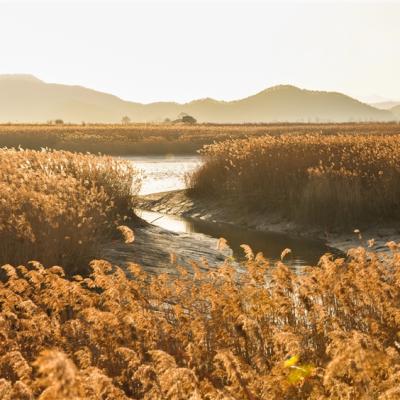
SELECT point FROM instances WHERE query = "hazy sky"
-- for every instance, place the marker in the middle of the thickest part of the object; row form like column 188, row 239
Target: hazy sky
column 180, row 50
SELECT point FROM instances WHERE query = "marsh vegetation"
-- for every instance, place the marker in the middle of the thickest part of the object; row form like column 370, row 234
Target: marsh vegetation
column 139, row 139
column 73, row 331
column 59, row 207
column 262, row 333
column 333, row 181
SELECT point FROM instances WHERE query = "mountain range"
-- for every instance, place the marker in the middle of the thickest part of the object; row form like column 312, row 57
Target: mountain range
column 25, row 98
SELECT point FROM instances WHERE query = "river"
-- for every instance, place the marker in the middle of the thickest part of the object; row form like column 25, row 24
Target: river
column 165, row 173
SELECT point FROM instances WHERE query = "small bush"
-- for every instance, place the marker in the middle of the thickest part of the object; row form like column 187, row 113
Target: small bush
column 188, row 119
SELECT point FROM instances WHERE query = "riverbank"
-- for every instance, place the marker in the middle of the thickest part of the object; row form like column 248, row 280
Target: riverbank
column 180, row 203
column 159, row 251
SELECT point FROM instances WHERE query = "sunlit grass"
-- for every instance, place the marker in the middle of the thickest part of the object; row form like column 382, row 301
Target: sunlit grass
column 325, row 180
column 161, row 138
column 59, row 207
column 259, row 332
column 262, row 333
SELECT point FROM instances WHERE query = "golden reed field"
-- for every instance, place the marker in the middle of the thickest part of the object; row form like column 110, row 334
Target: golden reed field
column 328, row 180
column 263, row 333
column 69, row 331
column 161, row 138
column 58, row 207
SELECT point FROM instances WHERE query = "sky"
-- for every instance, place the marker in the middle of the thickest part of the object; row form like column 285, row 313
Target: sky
column 149, row 51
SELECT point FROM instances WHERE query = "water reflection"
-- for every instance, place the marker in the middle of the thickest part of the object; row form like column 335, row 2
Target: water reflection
column 304, row 251
column 162, row 173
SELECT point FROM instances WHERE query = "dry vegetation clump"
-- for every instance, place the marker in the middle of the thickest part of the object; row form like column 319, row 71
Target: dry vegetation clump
column 59, row 206
column 326, row 180
column 261, row 333
column 161, row 138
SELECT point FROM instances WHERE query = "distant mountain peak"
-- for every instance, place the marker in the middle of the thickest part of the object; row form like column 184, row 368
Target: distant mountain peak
column 283, row 87
column 209, row 100
column 19, row 77
column 279, row 88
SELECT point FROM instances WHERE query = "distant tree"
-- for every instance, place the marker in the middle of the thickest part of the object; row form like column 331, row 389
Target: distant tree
column 188, row 119
column 167, row 120
column 125, row 120
column 59, row 122
column 181, row 115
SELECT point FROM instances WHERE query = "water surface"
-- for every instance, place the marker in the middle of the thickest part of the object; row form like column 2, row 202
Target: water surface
column 162, row 173
column 165, row 173
column 304, row 251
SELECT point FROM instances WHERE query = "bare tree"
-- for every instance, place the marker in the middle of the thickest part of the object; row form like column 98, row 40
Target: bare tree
column 125, row 120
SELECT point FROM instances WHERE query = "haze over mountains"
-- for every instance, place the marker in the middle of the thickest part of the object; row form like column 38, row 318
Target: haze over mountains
column 25, row 98
column 396, row 111
column 385, row 105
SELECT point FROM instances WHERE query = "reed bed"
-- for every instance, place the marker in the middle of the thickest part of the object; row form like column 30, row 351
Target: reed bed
column 331, row 333
column 161, row 138
column 332, row 181
column 59, row 207
column 254, row 333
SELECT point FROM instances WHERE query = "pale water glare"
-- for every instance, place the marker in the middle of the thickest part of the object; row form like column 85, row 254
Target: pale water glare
column 165, row 172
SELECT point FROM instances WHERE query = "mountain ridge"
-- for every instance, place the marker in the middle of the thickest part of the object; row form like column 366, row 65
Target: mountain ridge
column 385, row 105
column 25, row 98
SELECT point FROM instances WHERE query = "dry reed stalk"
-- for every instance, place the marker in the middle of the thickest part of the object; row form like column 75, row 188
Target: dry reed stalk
column 59, row 207
column 327, row 180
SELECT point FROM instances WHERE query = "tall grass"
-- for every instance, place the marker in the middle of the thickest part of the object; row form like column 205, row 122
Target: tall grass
column 262, row 333
column 161, row 138
column 255, row 333
column 59, row 207
column 326, row 180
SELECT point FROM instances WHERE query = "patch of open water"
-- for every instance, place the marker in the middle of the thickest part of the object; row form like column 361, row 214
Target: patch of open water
column 164, row 173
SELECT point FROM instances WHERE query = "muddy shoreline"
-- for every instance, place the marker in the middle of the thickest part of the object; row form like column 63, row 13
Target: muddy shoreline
column 179, row 203
column 160, row 251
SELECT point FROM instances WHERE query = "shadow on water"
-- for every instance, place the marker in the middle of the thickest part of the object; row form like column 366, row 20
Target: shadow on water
column 304, row 251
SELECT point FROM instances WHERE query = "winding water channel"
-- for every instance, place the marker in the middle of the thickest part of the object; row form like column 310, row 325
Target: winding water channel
column 164, row 173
